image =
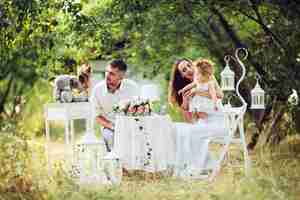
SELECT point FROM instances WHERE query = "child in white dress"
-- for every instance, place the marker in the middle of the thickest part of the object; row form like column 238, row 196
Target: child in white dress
column 200, row 104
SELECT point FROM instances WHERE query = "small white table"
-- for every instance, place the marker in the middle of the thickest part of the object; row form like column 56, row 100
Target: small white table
column 145, row 142
column 66, row 112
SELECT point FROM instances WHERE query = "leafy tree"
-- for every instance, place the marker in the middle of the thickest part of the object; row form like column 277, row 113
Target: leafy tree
column 153, row 34
column 36, row 41
column 26, row 42
column 38, row 37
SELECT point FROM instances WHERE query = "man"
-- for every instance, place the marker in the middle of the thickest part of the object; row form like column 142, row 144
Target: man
column 109, row 92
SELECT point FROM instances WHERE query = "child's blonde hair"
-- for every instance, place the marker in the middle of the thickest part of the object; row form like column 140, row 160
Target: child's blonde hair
column 202, row 65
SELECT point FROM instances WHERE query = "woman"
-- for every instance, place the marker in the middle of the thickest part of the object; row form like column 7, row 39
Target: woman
column 195, row 156
column 182, row 75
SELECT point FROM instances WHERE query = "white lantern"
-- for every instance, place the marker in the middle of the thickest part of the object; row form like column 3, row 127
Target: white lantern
column 257, row 97
column 88, row 157
column 227, row 78
column 112, row 168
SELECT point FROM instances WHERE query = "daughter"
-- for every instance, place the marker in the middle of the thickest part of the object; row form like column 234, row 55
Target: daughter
column 203, row 82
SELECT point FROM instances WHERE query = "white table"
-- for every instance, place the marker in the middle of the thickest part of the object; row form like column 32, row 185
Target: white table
column 145, row 143
column 66, row 112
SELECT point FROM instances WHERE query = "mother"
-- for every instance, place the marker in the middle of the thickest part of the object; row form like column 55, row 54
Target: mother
column 182, row 75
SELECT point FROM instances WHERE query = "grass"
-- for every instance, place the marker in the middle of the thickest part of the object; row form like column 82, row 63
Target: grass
column 231, row 184
column 275, row 175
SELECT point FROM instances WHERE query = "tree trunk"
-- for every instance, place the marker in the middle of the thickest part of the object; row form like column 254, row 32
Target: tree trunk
column 274, row 136
column 5, row 94
column 258, row 119
column 297, row 119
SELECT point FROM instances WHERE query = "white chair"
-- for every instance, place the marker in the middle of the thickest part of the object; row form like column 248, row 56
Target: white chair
column 234, row 117
column 234, row 123
column 193, row 142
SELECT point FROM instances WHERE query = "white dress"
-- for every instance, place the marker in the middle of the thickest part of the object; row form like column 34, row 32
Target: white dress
column 201, row 103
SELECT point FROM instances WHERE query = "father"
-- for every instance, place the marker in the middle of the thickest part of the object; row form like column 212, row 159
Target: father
column 109, row 92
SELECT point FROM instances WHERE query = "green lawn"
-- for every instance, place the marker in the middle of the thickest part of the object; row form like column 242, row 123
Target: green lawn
column 273, row 176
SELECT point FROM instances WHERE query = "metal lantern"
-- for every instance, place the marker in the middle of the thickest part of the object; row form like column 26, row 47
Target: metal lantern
column 257, row 97
column 227, row 77
column 112, row 168
column 88, row 157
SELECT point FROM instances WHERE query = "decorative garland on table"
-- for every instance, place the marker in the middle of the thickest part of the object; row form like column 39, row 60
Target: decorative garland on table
column 147, row 155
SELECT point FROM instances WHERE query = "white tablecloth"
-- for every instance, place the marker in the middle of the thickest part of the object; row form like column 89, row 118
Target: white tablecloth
column 182, row 145
column 146, row 143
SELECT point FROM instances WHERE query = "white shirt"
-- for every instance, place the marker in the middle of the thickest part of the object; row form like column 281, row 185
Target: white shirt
column 103, row 100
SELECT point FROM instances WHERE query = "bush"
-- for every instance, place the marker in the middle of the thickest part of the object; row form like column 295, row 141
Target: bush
column 20, row 178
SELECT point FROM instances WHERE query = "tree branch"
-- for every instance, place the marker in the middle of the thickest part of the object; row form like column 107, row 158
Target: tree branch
column 214, row 51
column 238, row 43
column 259, row 20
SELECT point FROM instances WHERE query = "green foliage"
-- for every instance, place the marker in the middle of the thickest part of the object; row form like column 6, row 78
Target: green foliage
column 32, row 122
column 22, row 169
column 37, row 42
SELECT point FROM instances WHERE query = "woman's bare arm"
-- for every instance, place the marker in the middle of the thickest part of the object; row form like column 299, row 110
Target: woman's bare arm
column 185, row 100
column 204, row 94
column 187, row 87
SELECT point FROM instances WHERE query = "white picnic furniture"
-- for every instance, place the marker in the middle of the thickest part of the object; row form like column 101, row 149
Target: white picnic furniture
column 145, row 142
column 193, row 142
column 133, row 133
column 153, row 143
column 66, row 112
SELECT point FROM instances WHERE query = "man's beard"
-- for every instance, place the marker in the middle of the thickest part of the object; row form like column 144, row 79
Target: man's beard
column 113, row 87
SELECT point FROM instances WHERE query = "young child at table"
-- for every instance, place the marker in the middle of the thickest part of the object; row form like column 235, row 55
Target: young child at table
column 202, row 104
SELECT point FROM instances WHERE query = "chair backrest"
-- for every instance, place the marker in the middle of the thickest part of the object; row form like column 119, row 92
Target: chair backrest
column 233, row 116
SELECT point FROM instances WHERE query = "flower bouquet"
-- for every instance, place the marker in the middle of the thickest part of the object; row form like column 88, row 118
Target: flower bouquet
column 133, row 107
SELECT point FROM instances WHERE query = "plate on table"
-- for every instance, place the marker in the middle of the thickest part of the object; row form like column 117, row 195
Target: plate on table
column 80, row 99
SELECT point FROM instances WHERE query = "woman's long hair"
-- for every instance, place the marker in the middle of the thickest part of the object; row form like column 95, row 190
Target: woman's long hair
column 177, row 82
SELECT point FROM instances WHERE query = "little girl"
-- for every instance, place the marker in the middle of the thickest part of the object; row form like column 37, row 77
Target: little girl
column 203, row 81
